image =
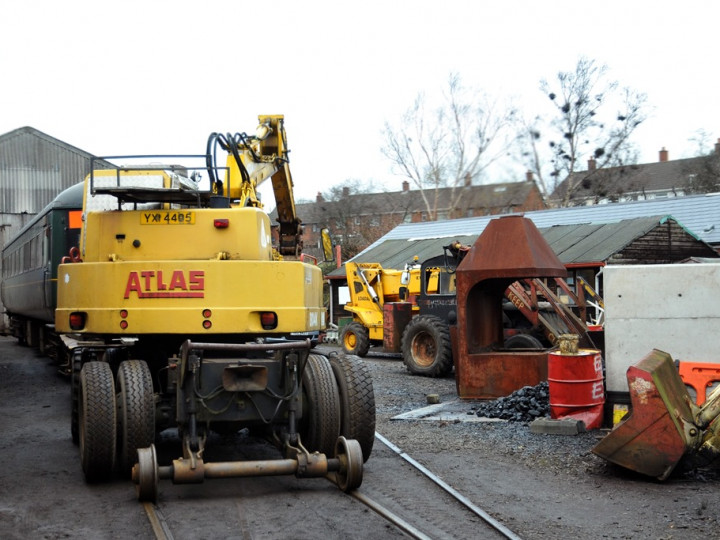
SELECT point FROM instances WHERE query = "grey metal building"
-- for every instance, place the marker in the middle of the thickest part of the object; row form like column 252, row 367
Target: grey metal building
column 34, row 168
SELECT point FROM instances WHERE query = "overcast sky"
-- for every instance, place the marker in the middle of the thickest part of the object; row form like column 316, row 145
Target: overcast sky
column 159, row 76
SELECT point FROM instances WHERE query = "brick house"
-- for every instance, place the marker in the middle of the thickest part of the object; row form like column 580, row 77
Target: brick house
column 663, row 179
column 357, row 220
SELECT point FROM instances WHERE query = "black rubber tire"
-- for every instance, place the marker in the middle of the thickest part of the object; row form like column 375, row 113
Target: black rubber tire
column 355, row 339
column 135, row 412
column 426, row 346
column 357, row 400
column 320, row 423
column 523, row 341
column 97, row 421
column 75, row 367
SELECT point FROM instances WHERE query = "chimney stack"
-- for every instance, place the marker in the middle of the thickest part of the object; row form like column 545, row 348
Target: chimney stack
column 592, row 164
column 529, row 176
column 468, row 180
column 346, row 191
column 717, row 147
column 663, row 155
column 406, row 185
column 319, row 197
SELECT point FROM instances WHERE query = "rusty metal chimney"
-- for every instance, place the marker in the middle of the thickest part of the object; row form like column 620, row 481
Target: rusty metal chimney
column 663, row 155
column 510, row 248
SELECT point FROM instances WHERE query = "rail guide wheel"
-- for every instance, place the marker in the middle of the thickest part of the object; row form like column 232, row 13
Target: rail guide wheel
column 145, row 474
column 350, row 475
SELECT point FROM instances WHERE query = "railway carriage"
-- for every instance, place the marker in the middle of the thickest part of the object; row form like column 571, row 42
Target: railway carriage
column 30, row 262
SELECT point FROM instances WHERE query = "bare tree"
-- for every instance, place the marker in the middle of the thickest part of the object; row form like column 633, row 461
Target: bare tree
column 352, row 213
column 703, row 176
column 450, row 146
column 593, row 119
column 703, row 142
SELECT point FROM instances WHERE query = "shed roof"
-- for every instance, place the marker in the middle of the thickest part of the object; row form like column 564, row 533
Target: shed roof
column 699, row 214
column 581, row 243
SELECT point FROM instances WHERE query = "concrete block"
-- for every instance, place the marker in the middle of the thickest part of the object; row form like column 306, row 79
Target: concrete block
column 550, row 426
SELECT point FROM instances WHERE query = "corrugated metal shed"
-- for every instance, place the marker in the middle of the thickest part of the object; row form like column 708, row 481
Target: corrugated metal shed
column 654, row 239
column 699, row 214
column 35, row 167
column 597, row 243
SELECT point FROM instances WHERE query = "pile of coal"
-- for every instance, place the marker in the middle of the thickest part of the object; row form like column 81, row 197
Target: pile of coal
column 523, row 405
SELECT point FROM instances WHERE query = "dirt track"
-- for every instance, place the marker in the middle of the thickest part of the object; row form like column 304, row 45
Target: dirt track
column 539, row 486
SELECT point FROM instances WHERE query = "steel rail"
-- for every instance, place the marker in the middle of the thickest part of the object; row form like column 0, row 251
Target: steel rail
column 391, row 517
column 157, row 522
column 487, row 518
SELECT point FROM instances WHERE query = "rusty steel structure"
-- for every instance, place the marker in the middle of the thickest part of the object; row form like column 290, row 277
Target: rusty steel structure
column 511, row 248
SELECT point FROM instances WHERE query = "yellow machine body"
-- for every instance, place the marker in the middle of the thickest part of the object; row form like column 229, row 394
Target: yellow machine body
column 372, row 286
column 180, row 297
column 182, row 265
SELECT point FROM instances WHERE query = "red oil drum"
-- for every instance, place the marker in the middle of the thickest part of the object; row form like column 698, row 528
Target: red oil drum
column 576, row 386
column 396, row 316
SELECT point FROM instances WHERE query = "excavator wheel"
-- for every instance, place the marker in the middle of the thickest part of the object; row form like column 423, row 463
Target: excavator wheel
column 357, row 400
column 523, row 341
column 97, row 421
column 355, row 339
column 320, row 425
column 426, row 347
column 136, row 412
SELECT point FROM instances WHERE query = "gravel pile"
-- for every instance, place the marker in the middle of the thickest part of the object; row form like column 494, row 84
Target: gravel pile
column 523, row 405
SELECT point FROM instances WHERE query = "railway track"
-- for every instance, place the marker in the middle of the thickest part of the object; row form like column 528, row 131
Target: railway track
column 411, row 500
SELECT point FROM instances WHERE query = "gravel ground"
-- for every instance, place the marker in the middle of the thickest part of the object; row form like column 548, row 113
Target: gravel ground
column 540, row 486
column 397, row 392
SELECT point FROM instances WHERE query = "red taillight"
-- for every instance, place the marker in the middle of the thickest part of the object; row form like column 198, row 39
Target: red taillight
column 123, row 313
column 207, row 313
column 221, row 223
column 77, row 320
column 207, row 325
column 123, row 324
column 268, row 320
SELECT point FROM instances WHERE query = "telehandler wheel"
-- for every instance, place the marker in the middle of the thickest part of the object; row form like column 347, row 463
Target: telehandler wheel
column 320, row 424
column 350, row 475
column 75, row 367
column 357, row 400
column 523, row 341
column 97, row 421
column 135, row 412
column 355, row 339
column 426, row 346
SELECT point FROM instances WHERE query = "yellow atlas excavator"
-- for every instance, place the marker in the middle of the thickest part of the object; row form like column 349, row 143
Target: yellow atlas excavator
column 178, row 311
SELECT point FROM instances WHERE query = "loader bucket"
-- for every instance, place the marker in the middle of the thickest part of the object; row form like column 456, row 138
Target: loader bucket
column 659, row 430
